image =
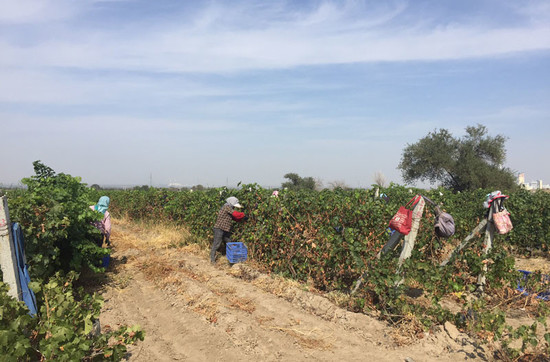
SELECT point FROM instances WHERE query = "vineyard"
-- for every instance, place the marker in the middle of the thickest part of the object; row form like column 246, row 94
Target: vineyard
column 326, row 239
column 330, row 238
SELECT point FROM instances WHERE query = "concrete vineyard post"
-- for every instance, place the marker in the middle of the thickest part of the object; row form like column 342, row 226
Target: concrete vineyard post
column 8, row 260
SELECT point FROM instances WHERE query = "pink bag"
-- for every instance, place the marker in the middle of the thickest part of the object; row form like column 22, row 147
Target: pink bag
column 502, row 221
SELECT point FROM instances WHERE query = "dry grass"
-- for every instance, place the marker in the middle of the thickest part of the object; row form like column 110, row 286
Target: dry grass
column 341, row 299
column 151, row 235
column 208, row 308
column 264, row 319
column 306, row 339
column 145, row 238
column 191, row 274
column 161, row 271
column 276, row 285
column 533, row 264
column 244, row 304
column 195, row 249
column 407, row 331
column 244, row 272
column 221, row 289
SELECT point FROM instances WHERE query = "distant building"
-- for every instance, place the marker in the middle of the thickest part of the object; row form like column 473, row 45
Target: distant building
column 533, row 185
column 175, row 185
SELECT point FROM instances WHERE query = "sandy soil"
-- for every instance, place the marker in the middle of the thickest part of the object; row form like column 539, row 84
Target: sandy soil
column 194, row 311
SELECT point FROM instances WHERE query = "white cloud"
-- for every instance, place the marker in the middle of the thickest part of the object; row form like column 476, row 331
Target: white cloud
column 56, row 87
column 37, row 11
column 114, row 124
column 328, row 34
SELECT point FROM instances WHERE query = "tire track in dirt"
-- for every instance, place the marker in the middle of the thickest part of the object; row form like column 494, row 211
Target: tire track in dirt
column 193, row 311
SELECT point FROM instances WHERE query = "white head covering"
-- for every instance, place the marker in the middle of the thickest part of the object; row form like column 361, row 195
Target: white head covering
column 233, row 201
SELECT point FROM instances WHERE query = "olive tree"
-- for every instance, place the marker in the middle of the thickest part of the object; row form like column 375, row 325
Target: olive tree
column 470, row 162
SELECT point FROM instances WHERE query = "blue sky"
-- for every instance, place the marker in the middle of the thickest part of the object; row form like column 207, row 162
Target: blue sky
column 217, row 92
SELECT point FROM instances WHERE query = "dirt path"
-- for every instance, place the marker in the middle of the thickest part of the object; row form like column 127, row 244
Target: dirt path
column 194, row 311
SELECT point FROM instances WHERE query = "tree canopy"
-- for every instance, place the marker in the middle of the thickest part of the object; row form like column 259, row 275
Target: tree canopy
column 467, row 163
column 296, row 182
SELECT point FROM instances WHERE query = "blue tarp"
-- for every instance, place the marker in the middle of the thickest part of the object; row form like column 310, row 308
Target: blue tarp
column 544, row 295
column 27, row 295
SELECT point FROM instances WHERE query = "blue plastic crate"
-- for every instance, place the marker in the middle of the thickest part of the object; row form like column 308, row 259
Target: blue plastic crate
column 105, row 261
column 236, row 252
column 544, row 295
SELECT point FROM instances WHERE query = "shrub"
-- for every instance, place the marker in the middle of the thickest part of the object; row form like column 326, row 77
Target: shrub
column 56, row 220
column 62, row 329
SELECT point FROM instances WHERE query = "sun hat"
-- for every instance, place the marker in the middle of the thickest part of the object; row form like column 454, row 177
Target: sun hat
column 233, row 201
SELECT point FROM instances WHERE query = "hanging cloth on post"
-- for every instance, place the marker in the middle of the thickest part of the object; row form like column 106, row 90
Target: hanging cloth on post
column 27, row 295
column 444, row 226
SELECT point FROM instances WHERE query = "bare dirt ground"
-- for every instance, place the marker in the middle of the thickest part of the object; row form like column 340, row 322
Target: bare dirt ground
column 194, row 311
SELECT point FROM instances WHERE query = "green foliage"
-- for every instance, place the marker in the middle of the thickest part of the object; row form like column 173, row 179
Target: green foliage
column 530, row 215
column 63, row 328
column 331, row 236
column 198, row 188
column 56, row 220
column 142, row 187
column 14, row 322
column 295, row 182
column 467, row 163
